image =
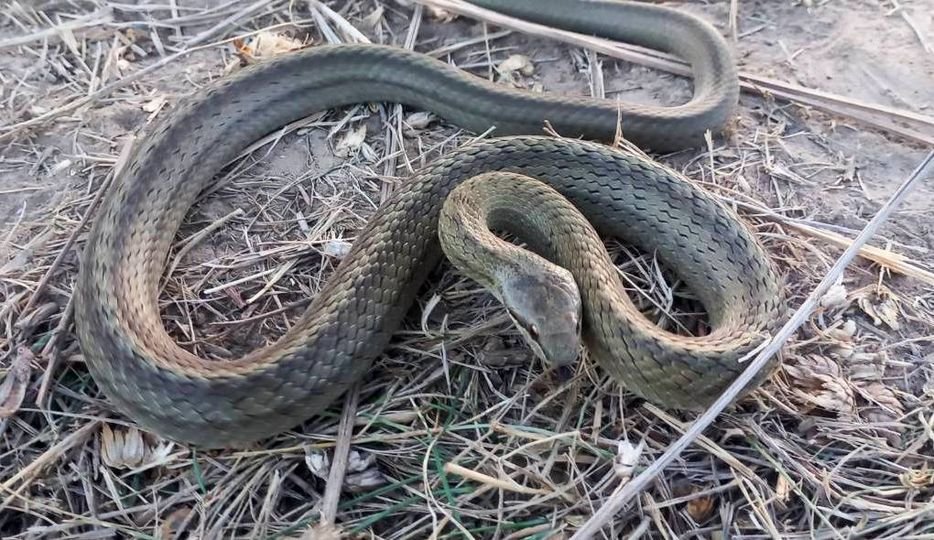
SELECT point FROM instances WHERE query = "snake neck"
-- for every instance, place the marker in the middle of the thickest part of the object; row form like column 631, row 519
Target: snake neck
column 541, row 298
column 473, row 214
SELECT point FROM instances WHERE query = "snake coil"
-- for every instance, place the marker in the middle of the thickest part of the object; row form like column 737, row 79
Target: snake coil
column 212, row 404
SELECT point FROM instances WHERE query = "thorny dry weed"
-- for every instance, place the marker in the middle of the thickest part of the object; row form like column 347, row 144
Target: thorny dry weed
column 459, row 433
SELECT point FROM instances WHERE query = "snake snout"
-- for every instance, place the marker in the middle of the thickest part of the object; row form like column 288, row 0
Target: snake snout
column 545, row 306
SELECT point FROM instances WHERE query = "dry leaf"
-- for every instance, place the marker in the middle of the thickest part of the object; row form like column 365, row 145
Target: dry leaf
column 834, row 297
column 336, row 248
column 813, row 367
column 819, row 381
column 843, row 352
column 323, row 531
column 265, row 45
column 175, row 524
column 516, row 62
column 922, row 479
column 317, row 462
column 883, row 396
column 844, row 332
column 153, row 107
column 362, row 474
column 129, row 449
column 43, row 313
column 782, row 488
column 442, row 15
column 627, row 457
column 834, row 396
column 364, row 481
column 122, row 448
column 880, row 304
column 417, row 121
column 359, row 462
column 13, row 387
column 350, row 143
column 866, row 366
column 373, row 19
column 700, row 508
column 61, row 166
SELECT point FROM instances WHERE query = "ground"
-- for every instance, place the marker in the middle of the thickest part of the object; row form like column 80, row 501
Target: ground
column 459, row 433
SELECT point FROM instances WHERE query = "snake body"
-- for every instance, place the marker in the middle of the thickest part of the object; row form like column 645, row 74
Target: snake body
column 222, row 404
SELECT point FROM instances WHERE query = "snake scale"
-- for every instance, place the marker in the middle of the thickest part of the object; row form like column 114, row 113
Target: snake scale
column 171, row 392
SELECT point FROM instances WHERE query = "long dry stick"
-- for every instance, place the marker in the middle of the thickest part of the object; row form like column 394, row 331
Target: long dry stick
column 332, row 490
column 55, row 32
column 229, row 21
column 895, row 262
column 627, row 491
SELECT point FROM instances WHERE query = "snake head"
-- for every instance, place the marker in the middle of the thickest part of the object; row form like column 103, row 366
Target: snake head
column 546, row 308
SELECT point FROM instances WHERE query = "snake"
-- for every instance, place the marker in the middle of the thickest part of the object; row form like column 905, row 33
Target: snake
column 558, row 193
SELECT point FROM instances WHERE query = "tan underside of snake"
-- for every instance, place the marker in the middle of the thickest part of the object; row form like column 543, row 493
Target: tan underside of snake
column 216, row 404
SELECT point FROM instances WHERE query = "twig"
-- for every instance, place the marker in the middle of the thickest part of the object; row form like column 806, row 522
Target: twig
column 207, row 34
column 918, row 33
column 734, row 17
column 505, row 485
column 627, row 491
column 91, row 19
column 342, row 23
column 199, row 236
column 173, row 10
column 895, row 262
column 332, row 491
column 52, row 351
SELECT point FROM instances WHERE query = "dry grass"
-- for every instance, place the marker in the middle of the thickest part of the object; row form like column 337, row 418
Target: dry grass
column 458, row 433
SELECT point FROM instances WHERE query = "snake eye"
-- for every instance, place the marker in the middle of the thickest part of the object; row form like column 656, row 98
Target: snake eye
column 533, row 331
